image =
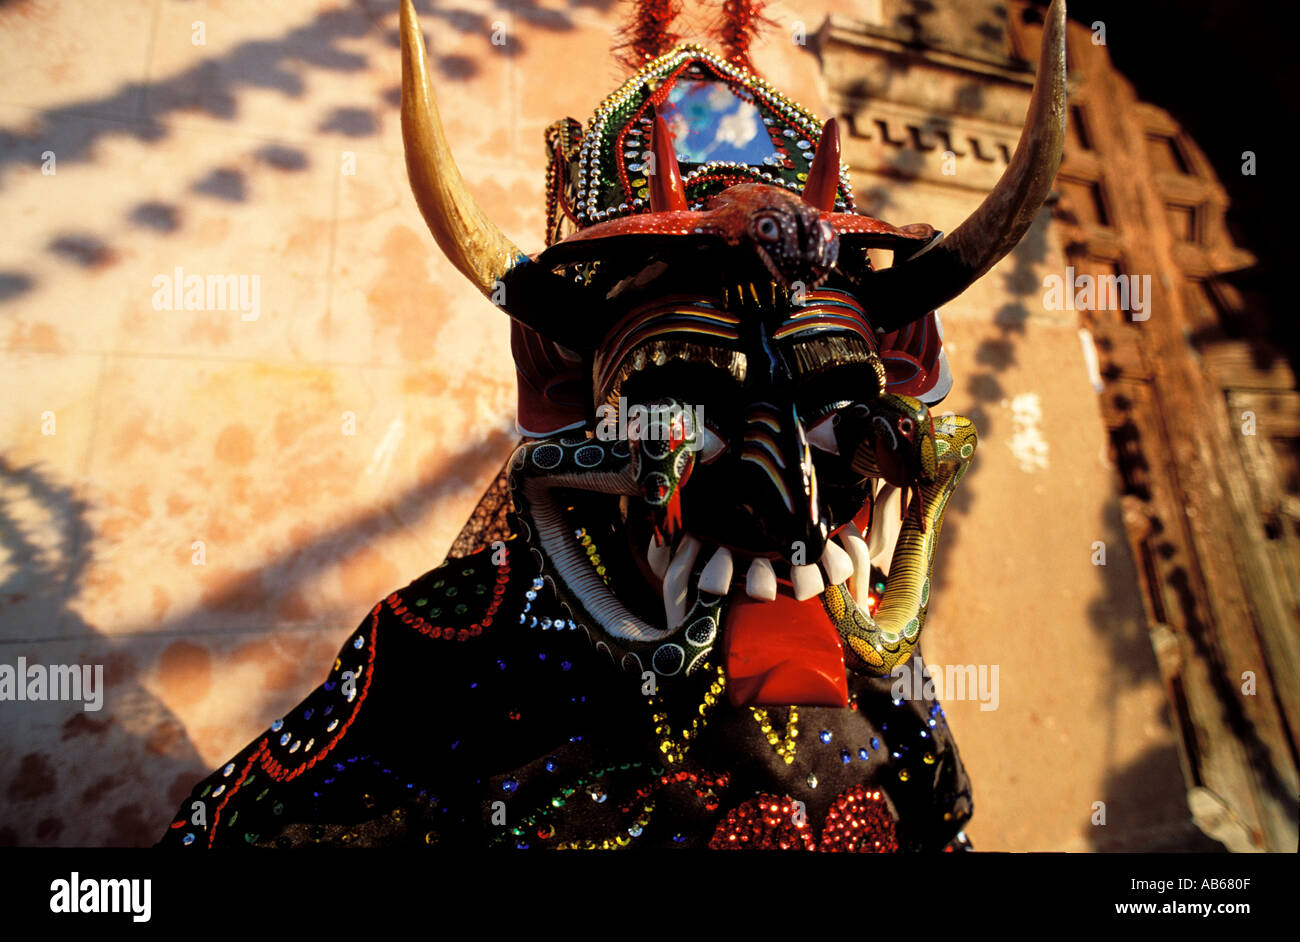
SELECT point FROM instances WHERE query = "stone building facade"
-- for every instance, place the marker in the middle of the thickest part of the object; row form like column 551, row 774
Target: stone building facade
column 1138, row 263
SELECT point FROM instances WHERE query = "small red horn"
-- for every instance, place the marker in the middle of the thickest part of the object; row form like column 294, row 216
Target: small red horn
column 824, row 174
column 666, row 188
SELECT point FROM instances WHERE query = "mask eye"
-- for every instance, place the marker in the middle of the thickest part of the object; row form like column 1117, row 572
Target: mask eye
column 822, row 434
column 905, row 425
column 710, row 446
column 767, row 229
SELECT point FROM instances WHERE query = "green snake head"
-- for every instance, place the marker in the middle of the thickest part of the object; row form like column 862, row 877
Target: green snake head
column 663, row 439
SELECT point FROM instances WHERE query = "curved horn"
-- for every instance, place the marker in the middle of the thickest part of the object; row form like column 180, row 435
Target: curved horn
column 824, row 174
column 466, row 236
column 912, row 288
column 667, row 192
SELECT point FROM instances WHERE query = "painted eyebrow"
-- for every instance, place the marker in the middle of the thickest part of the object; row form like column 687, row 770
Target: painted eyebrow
column 827, row 310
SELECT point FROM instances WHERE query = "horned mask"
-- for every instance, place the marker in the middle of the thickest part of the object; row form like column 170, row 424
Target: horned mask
column 730, row 455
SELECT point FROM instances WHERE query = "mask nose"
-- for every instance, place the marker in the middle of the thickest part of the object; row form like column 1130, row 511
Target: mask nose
column 779, row 464
column 823, row 246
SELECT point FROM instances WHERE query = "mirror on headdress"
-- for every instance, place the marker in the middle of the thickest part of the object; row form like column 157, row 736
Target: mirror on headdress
column 709, row 121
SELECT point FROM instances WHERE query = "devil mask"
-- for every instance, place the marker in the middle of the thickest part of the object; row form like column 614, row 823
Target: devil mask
column 731, row 454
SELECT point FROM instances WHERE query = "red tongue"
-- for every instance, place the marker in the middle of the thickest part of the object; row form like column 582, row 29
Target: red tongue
column 783, row 653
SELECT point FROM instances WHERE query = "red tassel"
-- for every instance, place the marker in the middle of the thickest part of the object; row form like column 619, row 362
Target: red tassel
column 739, row 24
column 647, row 34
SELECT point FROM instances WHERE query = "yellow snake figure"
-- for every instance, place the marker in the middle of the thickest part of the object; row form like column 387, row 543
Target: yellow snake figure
column 907, row 449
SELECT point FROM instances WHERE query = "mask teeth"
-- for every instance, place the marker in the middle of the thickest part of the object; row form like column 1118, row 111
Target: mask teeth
column 676, row 581
column 837, row 564
column 658, row 557
column 856, row 547
column 716, row 577
column 760, row 583
column 806, row 582
column 885, row 525
column 846, row 560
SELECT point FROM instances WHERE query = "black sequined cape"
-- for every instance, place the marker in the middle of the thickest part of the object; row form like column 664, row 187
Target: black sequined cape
column 464, row 712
